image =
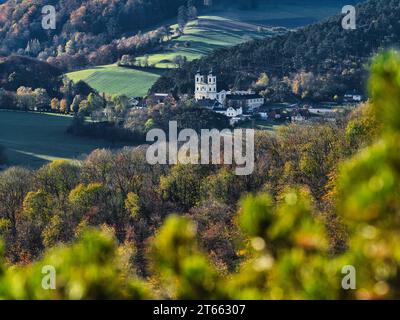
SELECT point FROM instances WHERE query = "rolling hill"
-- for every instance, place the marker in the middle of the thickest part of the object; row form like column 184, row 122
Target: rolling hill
column 16, row 71
column 205, row 35
column 200, row 38
column 221, row 29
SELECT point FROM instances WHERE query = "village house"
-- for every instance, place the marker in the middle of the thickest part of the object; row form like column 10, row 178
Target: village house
column 250, row 101
column 229, row 112
column 352, row 98
column 278, row 112
column 137, row 103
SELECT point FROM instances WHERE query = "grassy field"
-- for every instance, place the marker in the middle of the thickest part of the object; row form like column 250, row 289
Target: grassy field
column 33, row 139
column 112, row 79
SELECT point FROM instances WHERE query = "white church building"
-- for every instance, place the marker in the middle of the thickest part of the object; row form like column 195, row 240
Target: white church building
column 205, row 90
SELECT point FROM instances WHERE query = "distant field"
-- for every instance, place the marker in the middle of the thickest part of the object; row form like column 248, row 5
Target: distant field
column 204, row 35
column 33, row 139
column 112, row 79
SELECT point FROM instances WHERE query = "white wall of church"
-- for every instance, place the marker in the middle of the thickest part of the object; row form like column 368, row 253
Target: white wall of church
column 205, row 90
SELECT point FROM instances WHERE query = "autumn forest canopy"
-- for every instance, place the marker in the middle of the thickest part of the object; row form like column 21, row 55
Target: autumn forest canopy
column 324, row 195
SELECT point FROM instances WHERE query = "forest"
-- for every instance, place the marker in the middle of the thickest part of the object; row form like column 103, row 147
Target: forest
column 28, row 84
column 87, row 32
column 320, row 62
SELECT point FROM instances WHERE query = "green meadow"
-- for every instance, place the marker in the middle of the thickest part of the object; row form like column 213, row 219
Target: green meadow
column 33, row 139
column 112, row 79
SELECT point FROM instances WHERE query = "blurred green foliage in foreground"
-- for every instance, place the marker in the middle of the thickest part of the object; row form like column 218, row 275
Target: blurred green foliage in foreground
column 287, row 252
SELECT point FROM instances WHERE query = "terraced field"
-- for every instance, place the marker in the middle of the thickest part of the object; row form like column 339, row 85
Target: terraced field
column 204, row 35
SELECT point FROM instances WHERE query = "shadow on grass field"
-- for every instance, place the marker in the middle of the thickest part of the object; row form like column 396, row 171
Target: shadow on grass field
column 33, row 139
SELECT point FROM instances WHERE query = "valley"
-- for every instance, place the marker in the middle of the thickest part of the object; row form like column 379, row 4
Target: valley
column 200, row 37
column 218, row 29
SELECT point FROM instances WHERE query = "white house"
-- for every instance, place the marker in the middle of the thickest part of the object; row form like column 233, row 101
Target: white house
column 349, row 97
column 263, row 115
column 230, row 112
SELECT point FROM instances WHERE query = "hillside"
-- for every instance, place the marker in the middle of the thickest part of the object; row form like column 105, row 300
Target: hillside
column 226, row 26
column 316, row 62
column 30, row 84
column 283, row 13
column 86, row 31
column 200, row 38
column 205, row 35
